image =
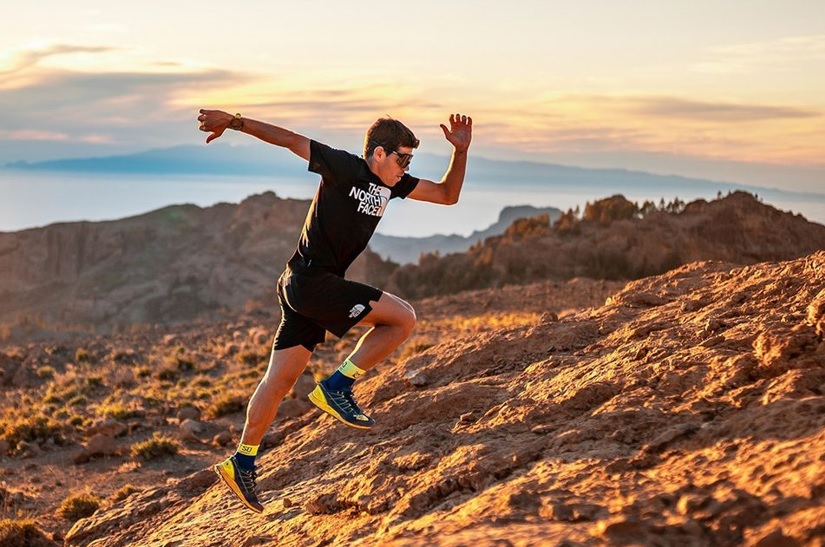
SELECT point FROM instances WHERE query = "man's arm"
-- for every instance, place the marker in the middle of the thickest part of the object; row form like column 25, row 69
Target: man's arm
column 448, row 190
column 216, row 122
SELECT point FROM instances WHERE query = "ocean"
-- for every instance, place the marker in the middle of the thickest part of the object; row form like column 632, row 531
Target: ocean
column 37, row 198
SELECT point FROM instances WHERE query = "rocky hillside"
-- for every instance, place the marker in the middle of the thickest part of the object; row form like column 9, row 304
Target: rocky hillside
column 170, row 264
column 407, row 250
column 617, row 239
column 689, row 409
column 185, row 262
column 94, row 420
column 173, row 264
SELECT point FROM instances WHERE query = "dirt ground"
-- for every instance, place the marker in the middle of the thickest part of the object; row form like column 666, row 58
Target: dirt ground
column 681, row 409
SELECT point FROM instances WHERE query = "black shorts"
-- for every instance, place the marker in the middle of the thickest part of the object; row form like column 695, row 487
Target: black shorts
column 315, row 301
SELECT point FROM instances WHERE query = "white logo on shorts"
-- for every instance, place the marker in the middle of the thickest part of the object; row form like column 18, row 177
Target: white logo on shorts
column 356, row 310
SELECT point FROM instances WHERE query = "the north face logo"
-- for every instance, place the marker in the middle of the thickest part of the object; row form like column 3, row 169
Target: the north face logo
column 372, row 201
column 356, row 310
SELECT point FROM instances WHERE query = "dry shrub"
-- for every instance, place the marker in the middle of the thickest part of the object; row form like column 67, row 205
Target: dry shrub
column 156, row 447
column 36, row 429
column 124, row 492
column 249, row 357
column 46, row 373
column 78, row 506
column 16, row 533
column 119, row 410
column 227, row 403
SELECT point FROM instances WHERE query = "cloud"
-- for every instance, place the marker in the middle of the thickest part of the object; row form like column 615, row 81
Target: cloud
column 33, row 135
column 27, row 58
column 156, row 105
column 594, row 124
column 128, row 107
column 673, row 107
column 123, row 107
column 779, row 55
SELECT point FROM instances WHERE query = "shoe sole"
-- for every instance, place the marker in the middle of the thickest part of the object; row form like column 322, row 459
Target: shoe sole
column 321, row 403
column 234, row 488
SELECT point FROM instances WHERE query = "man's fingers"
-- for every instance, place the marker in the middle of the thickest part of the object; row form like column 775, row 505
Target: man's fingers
column 445, row 130
column 458, row 118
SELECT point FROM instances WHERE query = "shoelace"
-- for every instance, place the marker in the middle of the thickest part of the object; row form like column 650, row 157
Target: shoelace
column 248, row 479
column 345, row 400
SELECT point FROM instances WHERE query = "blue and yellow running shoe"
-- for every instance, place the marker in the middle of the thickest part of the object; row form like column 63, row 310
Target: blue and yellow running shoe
column 340, row 405
column 241, row 481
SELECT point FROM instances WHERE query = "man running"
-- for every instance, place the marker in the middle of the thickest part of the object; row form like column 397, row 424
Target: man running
column 313, row 294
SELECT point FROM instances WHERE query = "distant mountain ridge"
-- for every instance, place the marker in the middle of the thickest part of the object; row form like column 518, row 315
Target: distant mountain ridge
column 261, row 160
column 186, row 159
column 407, row 250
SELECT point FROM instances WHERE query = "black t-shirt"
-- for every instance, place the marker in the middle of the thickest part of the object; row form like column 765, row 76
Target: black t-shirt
column 345, row 211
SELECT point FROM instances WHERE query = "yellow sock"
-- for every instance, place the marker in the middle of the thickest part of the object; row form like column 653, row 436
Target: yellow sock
column 248, row 449
column 350, row 370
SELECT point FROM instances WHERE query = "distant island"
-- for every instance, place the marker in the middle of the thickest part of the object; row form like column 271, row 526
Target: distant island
column 494, row 177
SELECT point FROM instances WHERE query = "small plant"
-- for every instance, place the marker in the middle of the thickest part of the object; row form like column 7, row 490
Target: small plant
column 51, row 398
column 77, row 400
column 202, row 381
column 22, row 532
column 156, row 447
column 94, row 381
column 78, row 506
column 81, row 355
column 46, row 372
column 168, row 372
column 180, row 360
column 227, row 403
column 248, row 357
column 118, row 411
column 124, row 492
column 31, row 429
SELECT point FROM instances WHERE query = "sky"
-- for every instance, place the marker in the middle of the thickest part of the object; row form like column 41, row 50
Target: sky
column 730, row 90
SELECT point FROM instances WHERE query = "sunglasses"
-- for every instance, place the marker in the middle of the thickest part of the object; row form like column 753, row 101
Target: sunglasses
column 403, row 159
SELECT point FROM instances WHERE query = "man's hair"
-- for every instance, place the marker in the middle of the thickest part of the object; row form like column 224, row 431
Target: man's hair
column 389, row 134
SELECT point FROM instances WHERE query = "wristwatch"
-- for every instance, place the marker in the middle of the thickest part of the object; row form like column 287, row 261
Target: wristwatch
column 237, row 122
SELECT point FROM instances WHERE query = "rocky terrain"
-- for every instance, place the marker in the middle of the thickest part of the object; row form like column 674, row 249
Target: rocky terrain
column 681, row 409
column 174, row 264
column 185, row 262
column 616, row 239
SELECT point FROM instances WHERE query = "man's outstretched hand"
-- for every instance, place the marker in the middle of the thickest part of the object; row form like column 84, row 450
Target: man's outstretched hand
column 214, row 122
column 460, row 132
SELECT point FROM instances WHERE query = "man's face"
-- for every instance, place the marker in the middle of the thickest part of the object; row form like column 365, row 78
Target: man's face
column 389, row 164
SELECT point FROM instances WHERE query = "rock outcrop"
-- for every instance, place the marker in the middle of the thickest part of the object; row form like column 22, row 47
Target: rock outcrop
column 615, row 240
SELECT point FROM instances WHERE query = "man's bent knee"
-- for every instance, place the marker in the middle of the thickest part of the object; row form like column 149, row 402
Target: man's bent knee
column 408, row 321
column 405, row 315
